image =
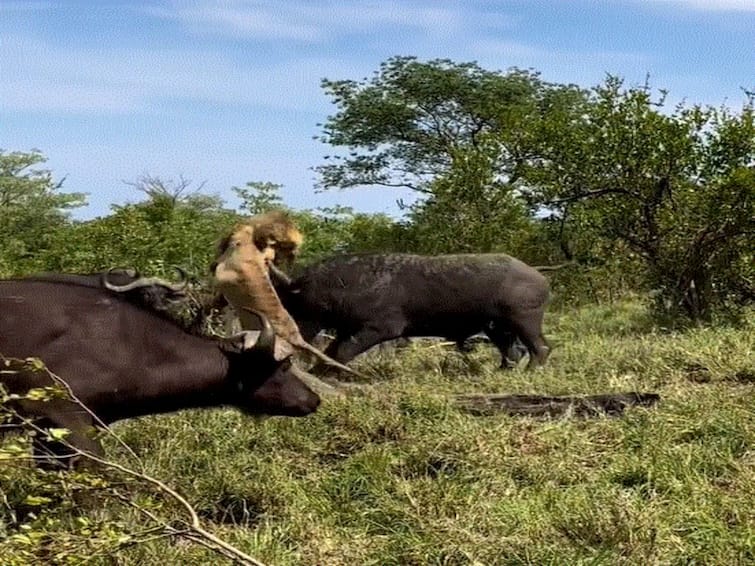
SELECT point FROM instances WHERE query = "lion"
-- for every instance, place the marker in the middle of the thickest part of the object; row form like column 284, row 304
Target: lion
column 242, row 275
column 273, row 233
column 277, row 237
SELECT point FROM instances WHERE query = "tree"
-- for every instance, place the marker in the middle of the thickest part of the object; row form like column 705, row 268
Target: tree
column 330, row 231
column 470, row 209
column 326, row 230
column 404, row 126
column 258, row 197
column 674, row 189
column 33, row 210
column 173, row 226
column 456, row 133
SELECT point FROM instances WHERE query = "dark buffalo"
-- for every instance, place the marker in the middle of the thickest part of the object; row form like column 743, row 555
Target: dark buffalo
column 123, row 358
column 152, row 293
column 370, row 298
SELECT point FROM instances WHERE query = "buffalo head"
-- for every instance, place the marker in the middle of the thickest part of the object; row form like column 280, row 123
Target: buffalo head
column 264, row 385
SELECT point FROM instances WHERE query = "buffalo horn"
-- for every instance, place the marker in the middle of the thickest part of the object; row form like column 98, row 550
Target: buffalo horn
column 146, row 282
column 279, row 275
column 266, row 340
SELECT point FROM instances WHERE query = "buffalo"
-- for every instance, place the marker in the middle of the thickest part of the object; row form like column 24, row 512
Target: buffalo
column 121, row 357
column 371, row 298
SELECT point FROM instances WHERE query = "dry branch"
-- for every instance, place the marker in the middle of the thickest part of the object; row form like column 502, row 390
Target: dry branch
column 193, row 529
column 610, row 404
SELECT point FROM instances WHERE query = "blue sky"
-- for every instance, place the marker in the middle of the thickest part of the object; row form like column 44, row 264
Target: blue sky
column 229, row 92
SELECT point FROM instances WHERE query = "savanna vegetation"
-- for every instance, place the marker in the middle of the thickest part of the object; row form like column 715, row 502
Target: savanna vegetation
column 652, row 207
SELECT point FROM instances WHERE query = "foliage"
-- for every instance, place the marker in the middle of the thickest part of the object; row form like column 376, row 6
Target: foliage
column 33, row 210
column 258, row 197
column 470, row 209
column 405, row 125
column 167, row 229
column 341, row 230
column 454, row 132
column 49, row 516
column 326, row 230
column 676, row 191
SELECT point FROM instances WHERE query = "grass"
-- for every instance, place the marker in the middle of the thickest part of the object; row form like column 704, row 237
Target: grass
column 399, row 476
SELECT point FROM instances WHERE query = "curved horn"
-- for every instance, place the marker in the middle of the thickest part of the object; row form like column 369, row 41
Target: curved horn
column 129, row 271
column 266, row 340
column 183, row 276
column 133, row 273
column 282, row 278
column 142, row 282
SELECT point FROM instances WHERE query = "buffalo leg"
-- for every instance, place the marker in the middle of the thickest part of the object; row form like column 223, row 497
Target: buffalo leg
column 501, row 334
column 56, row 454
column 464, row 346
column 528, row 325
column 346, row 349
column 309, row 329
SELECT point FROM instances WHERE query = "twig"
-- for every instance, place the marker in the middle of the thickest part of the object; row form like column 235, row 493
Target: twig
column 140, row 538
column 97, row 419
column 60, row 381
column 197, row 532
column 194, row 524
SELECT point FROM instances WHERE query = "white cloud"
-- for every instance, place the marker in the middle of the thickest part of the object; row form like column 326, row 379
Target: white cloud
column 39, row 76
column 25, row 6
column 311, row 21
column 714, row 5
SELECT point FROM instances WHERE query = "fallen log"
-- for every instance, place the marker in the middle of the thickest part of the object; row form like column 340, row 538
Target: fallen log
column 609, row 404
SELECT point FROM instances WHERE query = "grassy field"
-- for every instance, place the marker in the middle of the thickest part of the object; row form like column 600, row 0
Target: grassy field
column 398, row 475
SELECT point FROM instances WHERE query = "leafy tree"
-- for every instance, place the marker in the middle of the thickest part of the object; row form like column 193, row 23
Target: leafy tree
column 456, row 133
column 405, row 125
column 470, row 209
column 173, row 226
column 339, row 229
column 674, row 190
column 258, row 197
column 326, row 230
column 32, row 210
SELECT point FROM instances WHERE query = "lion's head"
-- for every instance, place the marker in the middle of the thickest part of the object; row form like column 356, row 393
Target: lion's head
column 277, row 237
column 274, row 234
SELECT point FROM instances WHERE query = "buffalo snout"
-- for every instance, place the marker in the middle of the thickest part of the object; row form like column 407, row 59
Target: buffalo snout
column 284, row 394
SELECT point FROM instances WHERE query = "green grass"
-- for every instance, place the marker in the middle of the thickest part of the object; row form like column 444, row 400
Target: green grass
column 398, row 475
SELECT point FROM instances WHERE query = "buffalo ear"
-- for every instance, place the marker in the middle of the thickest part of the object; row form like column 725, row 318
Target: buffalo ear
column 248, row 340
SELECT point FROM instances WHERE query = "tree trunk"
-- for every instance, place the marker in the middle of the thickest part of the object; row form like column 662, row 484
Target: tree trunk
column 609, row 404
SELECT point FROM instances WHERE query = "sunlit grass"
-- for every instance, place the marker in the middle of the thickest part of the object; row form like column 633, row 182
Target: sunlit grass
column 398, row 475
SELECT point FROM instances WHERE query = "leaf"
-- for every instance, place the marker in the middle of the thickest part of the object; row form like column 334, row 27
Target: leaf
column 36, row 363
column 58, row 433
column 12, row 449
column 37, row 500
column 38, row 394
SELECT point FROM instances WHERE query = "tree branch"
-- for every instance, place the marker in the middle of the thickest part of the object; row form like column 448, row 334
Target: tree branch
column 195, row 532
column 589, row 194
